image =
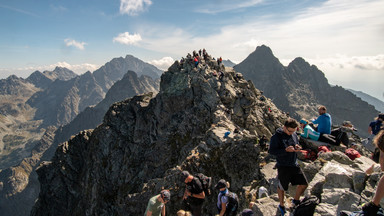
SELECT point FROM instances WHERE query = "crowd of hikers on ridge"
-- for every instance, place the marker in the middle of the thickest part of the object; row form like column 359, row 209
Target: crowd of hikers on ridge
column 284, row 145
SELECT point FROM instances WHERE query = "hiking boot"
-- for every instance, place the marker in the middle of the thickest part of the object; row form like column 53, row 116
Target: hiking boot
column 370, row 209
column 282, row 210
column 294, row 203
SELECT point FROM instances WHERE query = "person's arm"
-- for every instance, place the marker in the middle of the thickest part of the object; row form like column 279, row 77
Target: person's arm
column 316, row 121
column 223, row 208
column 163, row 210
column 381, row 160
column 369, row 130
column 274, row 147
column 149, row 213
column 200, row 195
column 185, row 194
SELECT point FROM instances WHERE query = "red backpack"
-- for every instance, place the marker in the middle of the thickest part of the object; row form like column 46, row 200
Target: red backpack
column 352, row 153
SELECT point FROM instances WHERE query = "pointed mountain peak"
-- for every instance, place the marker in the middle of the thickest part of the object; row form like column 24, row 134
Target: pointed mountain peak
column 264, row 49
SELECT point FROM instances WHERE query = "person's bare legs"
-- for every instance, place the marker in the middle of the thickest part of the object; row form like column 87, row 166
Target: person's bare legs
column 379, row 192
column 299, row 191
column 280, row 194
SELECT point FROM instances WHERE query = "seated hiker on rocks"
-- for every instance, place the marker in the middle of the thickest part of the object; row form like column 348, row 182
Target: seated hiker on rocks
column 227, row 202
column 284, row 145
column 156, row 205
column 324, row 121
column 309, row 132
column 341, row 133
column 373, row 206
column 194, row 193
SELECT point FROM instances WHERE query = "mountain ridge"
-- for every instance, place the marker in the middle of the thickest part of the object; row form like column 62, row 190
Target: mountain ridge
column 300, row 88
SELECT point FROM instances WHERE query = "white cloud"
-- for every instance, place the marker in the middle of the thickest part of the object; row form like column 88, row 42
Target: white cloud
column 163, row 63
column 70, row 42
column 133, row 7
column 226, row 5
column 127, row 39
column 26, row 71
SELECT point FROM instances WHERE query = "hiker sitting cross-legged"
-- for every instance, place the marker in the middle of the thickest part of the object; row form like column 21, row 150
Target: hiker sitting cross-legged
column 227, row 202
column 309, row 132
column 194, row 194
column 284, row 145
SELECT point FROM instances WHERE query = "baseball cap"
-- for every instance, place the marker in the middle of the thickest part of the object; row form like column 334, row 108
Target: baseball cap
column 247, row 212
column 221, row 184
column 347, row 123
column 302, row 121
column 381, row 115
column 184, row 175
column 165, row 195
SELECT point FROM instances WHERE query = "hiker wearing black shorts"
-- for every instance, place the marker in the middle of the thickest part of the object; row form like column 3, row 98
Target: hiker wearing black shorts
column 194, row 193
column 284, row 145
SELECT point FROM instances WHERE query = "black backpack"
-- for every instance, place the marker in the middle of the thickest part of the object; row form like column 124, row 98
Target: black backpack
column 233, row 203
column 206, row 182
column 307, row 206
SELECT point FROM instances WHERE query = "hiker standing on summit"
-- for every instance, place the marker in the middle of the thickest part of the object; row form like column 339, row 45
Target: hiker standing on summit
column 324, row 121
column 284, row 144
column 194, row 193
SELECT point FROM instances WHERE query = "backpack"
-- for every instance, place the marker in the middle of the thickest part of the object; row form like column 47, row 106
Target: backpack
column 307, row 206
column 206, row 182
column 352, row 153
column 358, row 213
column 233, row 203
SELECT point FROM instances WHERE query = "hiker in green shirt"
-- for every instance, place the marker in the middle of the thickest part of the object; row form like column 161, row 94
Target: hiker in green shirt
column 156, row 205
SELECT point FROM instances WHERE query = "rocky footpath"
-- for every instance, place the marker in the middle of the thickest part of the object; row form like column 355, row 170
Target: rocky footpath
column 144, row 143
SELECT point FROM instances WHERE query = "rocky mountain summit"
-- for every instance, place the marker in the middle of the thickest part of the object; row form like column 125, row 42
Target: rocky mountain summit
column 300, row 87
column 146, row 141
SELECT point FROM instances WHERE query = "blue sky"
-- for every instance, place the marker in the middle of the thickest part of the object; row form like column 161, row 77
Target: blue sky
column 344, row 38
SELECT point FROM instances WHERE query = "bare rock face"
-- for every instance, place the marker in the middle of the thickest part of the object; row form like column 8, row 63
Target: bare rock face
column 145, row 141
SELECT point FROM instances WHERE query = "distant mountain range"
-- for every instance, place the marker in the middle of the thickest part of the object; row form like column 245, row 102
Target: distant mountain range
column 300, row 88
column 378, row 104
column 30, row 107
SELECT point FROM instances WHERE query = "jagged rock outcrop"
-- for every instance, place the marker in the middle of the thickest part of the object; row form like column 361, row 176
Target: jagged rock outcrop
column 300, row 87
column 91, row 117
column 144, row 141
